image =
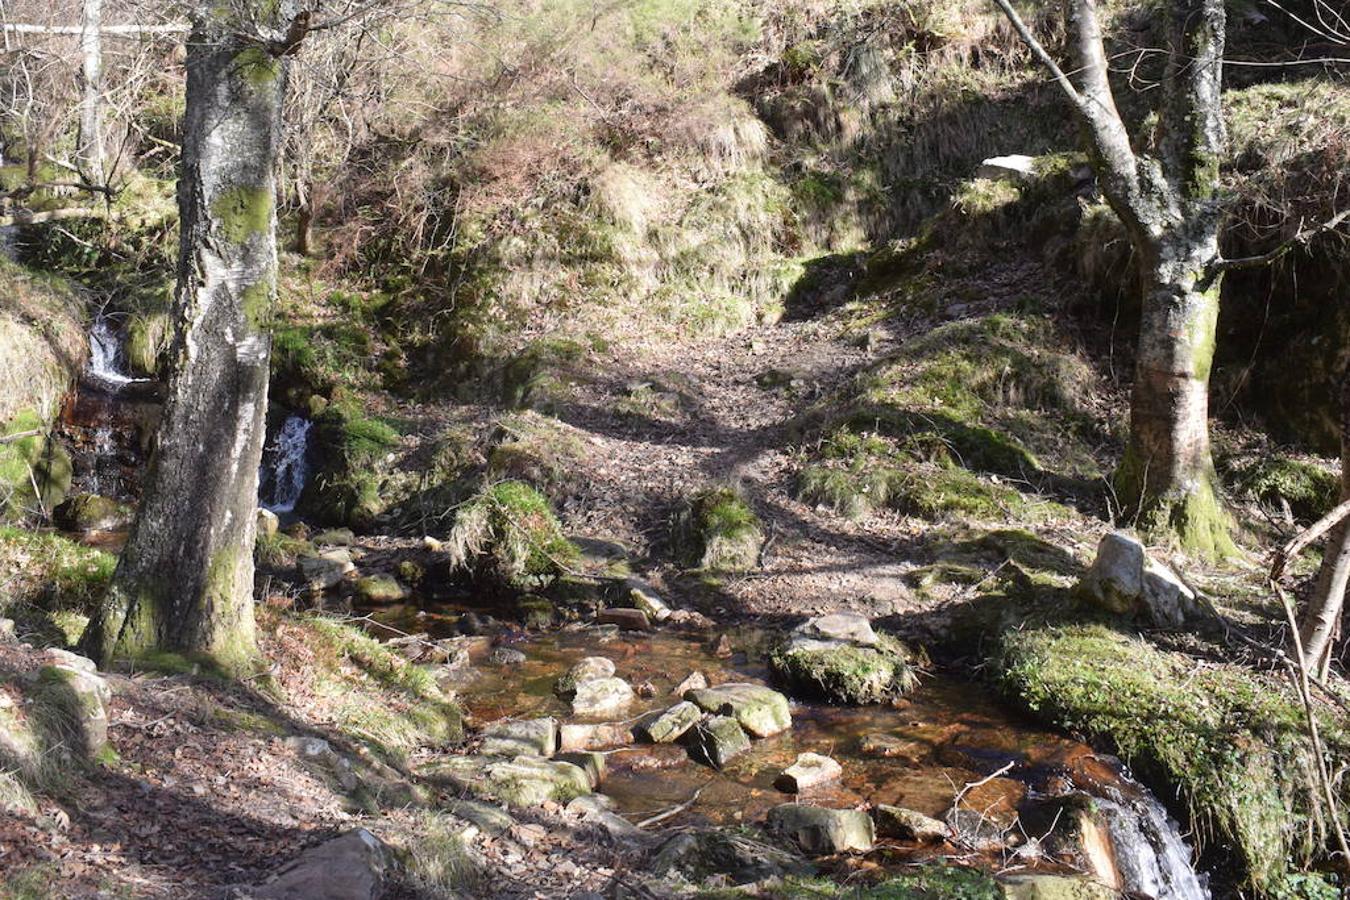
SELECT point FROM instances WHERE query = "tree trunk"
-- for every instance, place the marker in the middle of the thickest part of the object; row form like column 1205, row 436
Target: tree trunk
column 1167, row 477
column 184, row 583
column 89, row 143
column 1321, row 623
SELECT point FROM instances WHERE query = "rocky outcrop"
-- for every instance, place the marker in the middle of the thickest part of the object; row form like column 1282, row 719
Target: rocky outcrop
column 1125, row 580
column 841, row 658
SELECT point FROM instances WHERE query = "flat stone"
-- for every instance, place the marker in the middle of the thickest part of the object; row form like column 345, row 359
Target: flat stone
column 537, row 737
column 353, row 866
column 645, row 598
column 380, row 588
column 719, row 739
column 335, row 537
column 727, row 855
column 822, row 831
column 1013, row 167
column 888, row 746
column 327, row 569
column 591, row 668
column 591, row 809
column 847, row 627
column 522, row 781
column 626, row 619
column 602, row 697
column 671, row 724
column 694, row 681
column 588, row 761
column 810, row 770
column 594, row 736
column 908, row 825
column 761, row 711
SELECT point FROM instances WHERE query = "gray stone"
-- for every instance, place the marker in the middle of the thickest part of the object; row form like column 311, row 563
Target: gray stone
column 592, row 809
column 588, row 761
column 318, row 752
column 1125, row 580
column 908, row 825
column 626, row 619
column 8, row 629
column 671, row 724
column 602, row 697
column 380, row 588
column 695, row 856
column 589, row 669
column 506, row 656
column 522, row 781
column 719, row 739
column 327, row 569
column 821, row 831
column 353, row 866
column 73, row 686
column 1014, row 167
column 644, row 598
column 491, row 820
column 810, row 770
column 974, row 831
column 694, row 681
column 536, row 737
column 594, row 736
column 268, row 523
column 841, row 658
column 761, row 711
column 335, row 537
column 846, row 627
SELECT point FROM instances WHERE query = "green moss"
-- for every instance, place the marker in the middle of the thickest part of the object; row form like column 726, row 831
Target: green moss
column 1196, row 519
column 927, row 881
column 536, row 449
column 35, row 470
column 51, row 572
column 509, row 534
column 259, row 67
column 1230, row 742
column 256, row 303
column 719, row 532
column 243, row 213
column 857, row 675
column 1310, row 490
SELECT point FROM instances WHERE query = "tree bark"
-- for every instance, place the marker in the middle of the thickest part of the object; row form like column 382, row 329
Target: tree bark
column 1321, row 625
column 89, row 143
column 184, row 583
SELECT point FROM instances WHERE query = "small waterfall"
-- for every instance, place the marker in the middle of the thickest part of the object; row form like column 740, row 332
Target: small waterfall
column 285, row 468
column 104, row 448
column 1150, row 853
column 107, row 359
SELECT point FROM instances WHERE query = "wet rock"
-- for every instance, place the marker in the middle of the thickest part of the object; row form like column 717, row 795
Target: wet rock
column 1055, row 887
column 694, row 681
column 908, row 825
column 380, row 588
column 506, row 656
column 602, row 697
column 842, row 659
column 721, row 647
column 646, row 690
column 335, row 537
column 670, row 725
column 73, row 688
column 761, row 711
column 719, row 739
column 535, row 737
column 598, row 736
column 592, row 668
column 888, row 746
column 354, row 866
column 590, row 762
column 318, row 752
column 821, row 831
column 268, row 523
column 1125, row 580
column 327, row 569
column 91, row 512
column 696, row 856
column 810, row 770
column 645, row 598
column 522, row 781
column 626, row 619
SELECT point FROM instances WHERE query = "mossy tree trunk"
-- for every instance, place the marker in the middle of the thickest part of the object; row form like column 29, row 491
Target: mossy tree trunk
column 1321, row 625
column 1167, row 198
column 184, row 583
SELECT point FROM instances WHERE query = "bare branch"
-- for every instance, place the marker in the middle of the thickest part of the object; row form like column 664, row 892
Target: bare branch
column 1039, row 51
column 1300, row 239
column 1296, row 546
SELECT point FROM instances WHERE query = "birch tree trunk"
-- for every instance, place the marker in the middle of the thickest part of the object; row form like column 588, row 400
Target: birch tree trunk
column 1167, row 198
column 184, row 582
column 1321, row 625
column 89, row 153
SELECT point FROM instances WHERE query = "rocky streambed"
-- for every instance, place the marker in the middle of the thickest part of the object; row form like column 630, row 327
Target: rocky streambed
column 681, row 741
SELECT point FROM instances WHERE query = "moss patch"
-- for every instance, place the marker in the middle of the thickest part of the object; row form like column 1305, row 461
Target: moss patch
column 718, row 531
column 846, row 674
column 509, row 535
column 243, row 213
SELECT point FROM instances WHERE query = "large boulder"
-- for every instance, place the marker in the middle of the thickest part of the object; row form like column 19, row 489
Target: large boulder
column 841, row 658
column 821, row 831
column 353, row 866
column 669, row 725
column 1125, row 580
column 761, row 711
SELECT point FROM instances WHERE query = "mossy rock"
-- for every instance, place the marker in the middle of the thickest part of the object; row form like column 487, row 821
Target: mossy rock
column 508, row 534
column 35, row 470
column 1311, row 490
column 843, row 671
column 718, row 531
column 380, row 589
column 92, row 512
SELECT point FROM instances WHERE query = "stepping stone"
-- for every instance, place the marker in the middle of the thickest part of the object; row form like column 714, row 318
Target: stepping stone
column 602, row 697
column 908, row 825
column 646, row 600
column 671, row 724
column 522, row 781
column 841, row 659
column 594, row 736
column 591, row 668
column 810, row 770
column 537, row 737
column 380, row 589
column 761, row 711
column 718, row 739
column 822, row 831
column 626, row 619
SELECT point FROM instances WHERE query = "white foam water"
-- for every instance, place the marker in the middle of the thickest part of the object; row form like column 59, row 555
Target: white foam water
column 285, row 468
column 1151, row 856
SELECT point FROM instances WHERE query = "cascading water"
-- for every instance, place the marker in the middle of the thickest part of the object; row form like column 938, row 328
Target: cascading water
column 107, row 360
column 1151, row 856
column 285, row 467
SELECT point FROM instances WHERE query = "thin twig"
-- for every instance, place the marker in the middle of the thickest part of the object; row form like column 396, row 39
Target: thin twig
column 675, row 811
